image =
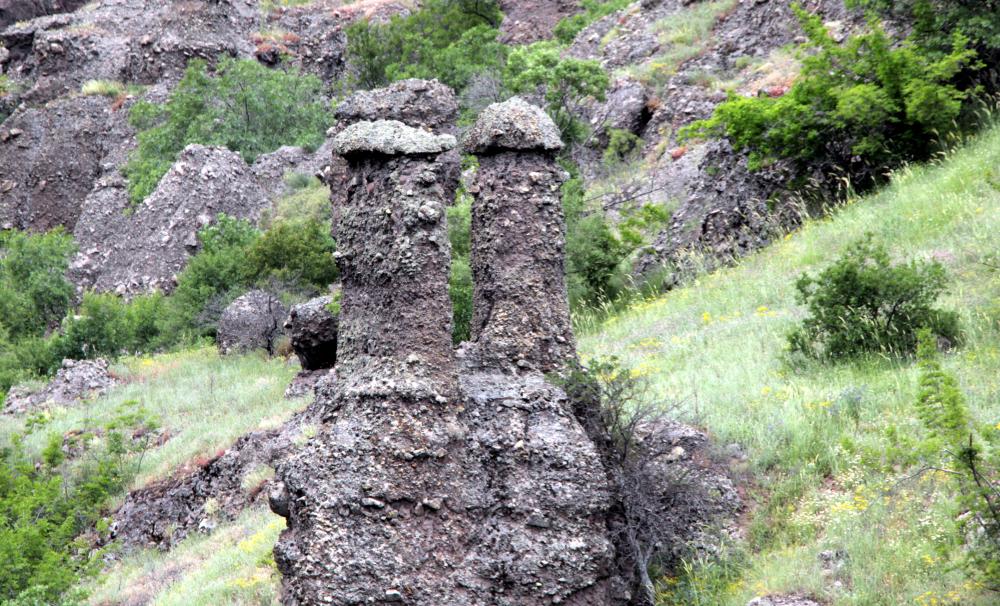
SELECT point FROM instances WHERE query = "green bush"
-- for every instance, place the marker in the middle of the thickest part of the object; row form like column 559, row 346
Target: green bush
column 242, row 105
column 935, row 22
column 294, row 252
column 564, row 82
column 213, row 278
column 864, row 105
column 863, row 304
column 105, row 325
column 460, row 286
column 450, row 40
column 568, row 28
column 46, row 505
column 34, row 292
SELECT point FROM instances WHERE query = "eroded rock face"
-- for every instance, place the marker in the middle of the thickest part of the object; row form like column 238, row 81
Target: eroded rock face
column 253, row 321
column 76, row 381
column 51, row 156
column 137, row 251
column 312, row 328
column 12, row 11
column 376, row 501
column 427, row 484
column 520, row 311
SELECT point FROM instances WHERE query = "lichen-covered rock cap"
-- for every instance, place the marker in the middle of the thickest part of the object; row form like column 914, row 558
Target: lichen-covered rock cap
column 513, row 125
column 389, row 138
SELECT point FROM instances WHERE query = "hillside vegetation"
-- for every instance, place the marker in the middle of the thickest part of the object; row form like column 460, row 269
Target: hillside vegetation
column 832, row 449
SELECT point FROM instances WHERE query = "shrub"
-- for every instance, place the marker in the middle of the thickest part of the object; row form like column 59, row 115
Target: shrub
column 104, row 88
column 451, row 40
column 243, row 106
column 46, row 505
column 863, row 303
column 864, row 105
column 295, row 252
column 944, row 413
column 935, row 22
column 107, row 326
column 34, row 292
column 213, row 276
column 460, row 286
column 563, row 82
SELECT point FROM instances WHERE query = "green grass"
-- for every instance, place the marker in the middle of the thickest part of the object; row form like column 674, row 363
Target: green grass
column 829, row 444
column 106, row 88
column 232, row 566
column 203, row 401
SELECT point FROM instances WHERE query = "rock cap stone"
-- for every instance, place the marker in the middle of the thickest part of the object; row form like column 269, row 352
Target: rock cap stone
column 389, row 138
column 514, row 124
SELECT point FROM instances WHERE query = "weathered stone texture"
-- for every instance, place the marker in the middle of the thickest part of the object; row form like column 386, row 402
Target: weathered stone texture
column 423, row 488
column 520, row 309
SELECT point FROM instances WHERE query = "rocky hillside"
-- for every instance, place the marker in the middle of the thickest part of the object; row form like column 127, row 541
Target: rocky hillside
column 497, row 302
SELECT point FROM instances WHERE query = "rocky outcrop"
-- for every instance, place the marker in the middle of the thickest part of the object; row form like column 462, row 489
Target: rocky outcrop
column 124, row 40
column 424, row 486
column 527, row 21
column 165, row 512
column 51, row 156
column 75, row 382
column 312, row 329
column 131, row 251
column 12, row 11
column 520, row 311
column 251, row 322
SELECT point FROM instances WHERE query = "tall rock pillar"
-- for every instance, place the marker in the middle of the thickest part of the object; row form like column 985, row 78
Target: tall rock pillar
column 520, row 309
column 374, row 502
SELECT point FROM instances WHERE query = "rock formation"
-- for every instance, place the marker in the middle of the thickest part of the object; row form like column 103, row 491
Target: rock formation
column 521, row 314
column 253, row 321
column 423, row 487
column 74, row 382
column 312, row 330
column 139, row 251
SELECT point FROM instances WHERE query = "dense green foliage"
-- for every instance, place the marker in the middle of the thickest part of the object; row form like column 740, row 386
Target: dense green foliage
column 107, row 326
column 567, row 29
column 942, row 408
column 862, row 303
column 563, row 81
column 858, row 107
column 450, row 40
column 241, row 105
column 34, row 296
column 34, row 293
column 597, row 251
column 46, row 505
column 460, row 281
column 934, row 22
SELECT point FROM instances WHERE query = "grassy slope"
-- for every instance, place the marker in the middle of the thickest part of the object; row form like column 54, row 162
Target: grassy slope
column 827, row 444
column 203, row 401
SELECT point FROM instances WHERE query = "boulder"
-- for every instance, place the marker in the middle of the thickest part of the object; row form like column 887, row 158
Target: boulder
column 251, row 322
column 75, row 382
column 312, row 328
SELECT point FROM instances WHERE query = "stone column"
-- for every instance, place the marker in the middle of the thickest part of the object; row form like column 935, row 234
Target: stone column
column 520, row 308
column 376, row 502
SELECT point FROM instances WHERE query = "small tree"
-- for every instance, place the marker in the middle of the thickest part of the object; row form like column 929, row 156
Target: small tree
column 863, row 303
column 564, row 82
column 242, row 105
column 945, row 414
